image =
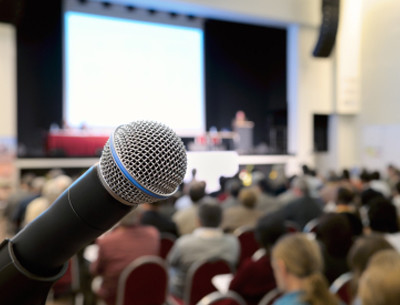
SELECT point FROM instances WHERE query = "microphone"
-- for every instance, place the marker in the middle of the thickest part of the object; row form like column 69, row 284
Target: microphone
column 142, row 162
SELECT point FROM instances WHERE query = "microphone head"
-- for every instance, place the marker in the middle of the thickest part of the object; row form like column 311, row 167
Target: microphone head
column 142, row 162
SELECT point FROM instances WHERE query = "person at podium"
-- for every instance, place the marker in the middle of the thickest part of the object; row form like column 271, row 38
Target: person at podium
column 243, row 129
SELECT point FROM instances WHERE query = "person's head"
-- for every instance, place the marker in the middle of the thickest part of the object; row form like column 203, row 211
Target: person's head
column 344, row 196
column 379, row 285
column 197, row 191
column 248, row 197
column 361, row 251
column 269, row 229
column 300, row 186
column 365, row 176
column 209, row 215
column 298, row 264
column 335, row 233
column 375, row 175
column 382, row 216
column 233, row 186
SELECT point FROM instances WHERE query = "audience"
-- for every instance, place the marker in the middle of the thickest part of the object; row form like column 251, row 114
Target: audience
column 254, row 277
column 207, row 241
column 379, row 285
column 52, row 189
column 345, row 205
column 19, row 212
column 361, row 251
column 151, row 216
column 244, row 215
column 298, row 266
column 382, row 218
column 266, row 202
column 304, row 208
column 186, row 218
column 233, row 187
column 344, row 241
column 117, row 248
column 335, row 237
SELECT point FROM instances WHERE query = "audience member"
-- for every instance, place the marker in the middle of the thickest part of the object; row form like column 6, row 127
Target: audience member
column 233, row 187
column 345, row 205
column 117, row 248
column 292, row 191
column 335, row 237
column 298, row 265
column 396, row 198
column 186, row 219
column 20, row 211
column 244, row 214
column 30, row 188
column 152, row 217
column 51, row 190
column 266, row 202
column 379, row 185
column 184, row 201
column 304, row 208
column 313, row 181
column 361, row 251
column 254, row 278
column 367, row 192
column 220, row 194
column 207, row 241
column 379, row 285
column 393, row 176
column 382, row 217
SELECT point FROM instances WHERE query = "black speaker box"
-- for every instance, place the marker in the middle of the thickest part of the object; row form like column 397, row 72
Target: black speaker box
column 328, row 30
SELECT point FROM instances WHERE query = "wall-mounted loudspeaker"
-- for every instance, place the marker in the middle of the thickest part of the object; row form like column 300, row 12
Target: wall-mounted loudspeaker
column 328, row 30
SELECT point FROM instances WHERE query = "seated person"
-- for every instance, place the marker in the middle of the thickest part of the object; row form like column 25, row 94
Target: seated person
column 119, row 247
column 207, row 241
column 255, row 277
column 151, row 216
column 245, row 214
column 335, row 237
column 298, row 265
column 361, row 251
column 379, row 285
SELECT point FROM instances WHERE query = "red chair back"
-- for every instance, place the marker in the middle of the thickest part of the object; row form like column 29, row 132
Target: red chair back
column 342, row 287
column 166, row 242
column 199, row 278
column 143, row 282
column 248, row 243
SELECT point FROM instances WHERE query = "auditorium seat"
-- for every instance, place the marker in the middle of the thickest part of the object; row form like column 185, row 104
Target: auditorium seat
column 219, row 298
column 199, row 279
column 143, row 282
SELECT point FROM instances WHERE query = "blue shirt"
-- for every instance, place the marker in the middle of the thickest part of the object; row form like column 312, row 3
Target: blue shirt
column 291, row 298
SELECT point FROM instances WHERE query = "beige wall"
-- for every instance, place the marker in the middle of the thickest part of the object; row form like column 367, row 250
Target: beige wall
column 7, row 81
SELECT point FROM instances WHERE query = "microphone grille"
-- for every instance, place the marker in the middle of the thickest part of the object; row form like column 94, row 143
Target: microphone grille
column 144, row 161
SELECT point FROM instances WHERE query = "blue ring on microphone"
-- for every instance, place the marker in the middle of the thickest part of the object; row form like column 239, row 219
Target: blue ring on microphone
column 127, row 174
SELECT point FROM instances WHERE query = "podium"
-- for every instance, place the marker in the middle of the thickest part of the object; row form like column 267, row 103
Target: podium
column 244, row 137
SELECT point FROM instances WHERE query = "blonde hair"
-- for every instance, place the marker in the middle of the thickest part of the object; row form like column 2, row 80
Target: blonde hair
column 380, row 282
column 302, row 258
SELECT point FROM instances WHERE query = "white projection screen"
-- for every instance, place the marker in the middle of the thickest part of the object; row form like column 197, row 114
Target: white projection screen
column 117, row 70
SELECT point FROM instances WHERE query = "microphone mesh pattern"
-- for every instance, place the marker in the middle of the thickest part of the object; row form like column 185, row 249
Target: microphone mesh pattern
column 152, row 154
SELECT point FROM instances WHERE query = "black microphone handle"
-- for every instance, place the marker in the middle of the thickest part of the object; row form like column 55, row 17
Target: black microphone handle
column 41, row 250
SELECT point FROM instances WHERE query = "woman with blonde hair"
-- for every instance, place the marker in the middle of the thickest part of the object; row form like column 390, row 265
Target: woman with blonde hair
column 380, row 282
column 297, row 263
